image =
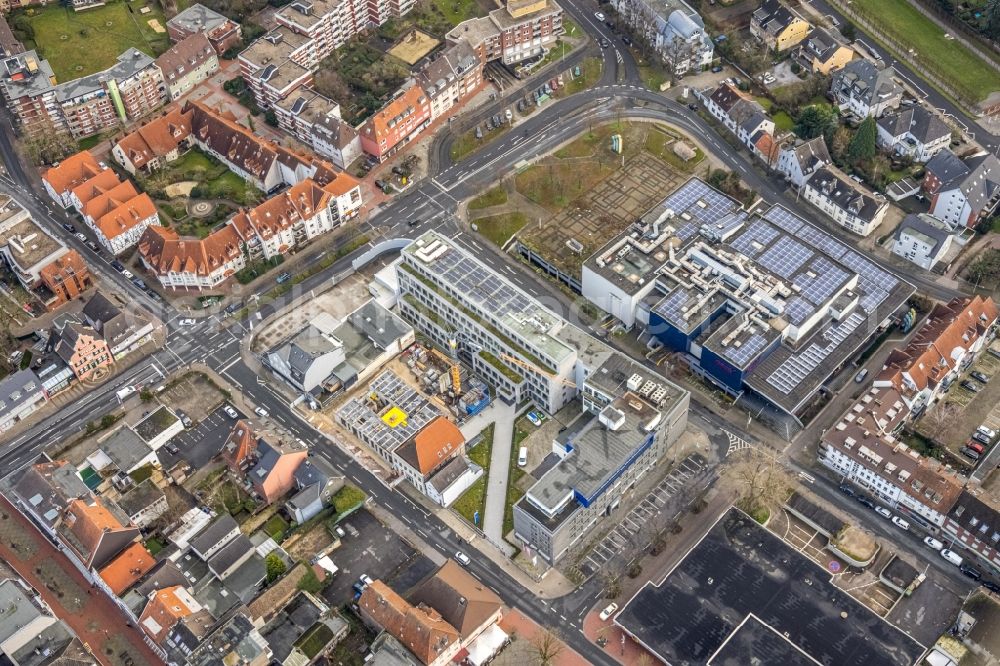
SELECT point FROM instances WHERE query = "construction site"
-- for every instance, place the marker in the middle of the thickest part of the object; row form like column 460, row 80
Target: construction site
column 446, row 381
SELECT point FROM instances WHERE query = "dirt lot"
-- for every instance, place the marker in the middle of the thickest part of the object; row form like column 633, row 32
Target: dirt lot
column 304, row 546
column 340, row 301
column 195, row 394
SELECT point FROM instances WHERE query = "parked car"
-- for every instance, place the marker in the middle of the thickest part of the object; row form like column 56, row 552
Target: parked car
column 989, row 432
column 931, row 542
column 261, row 412
column 970, row 454
column 366, row 580
column 693, row 106
column 969, row 386
column 981, row 438
column 118, row 266
column 970, row 571
column 69, row 227
column 340, row 531
column 232, row 413
column 605, row 43
column 535, row 419
column 127, row 273
column 864, row 501
column 93, row 246
column 717, row 69
column 976, row 446
column 463, row 559
column 187, row 321
column 185, row 419
column 626, row 41
column 900, row 523
column 599, row 16
column 608, row 611
column 847, row 490
column 979, row 377
column 991, row 586
column 139, row 283
column 284, row 277
column 952, row 557
column 884, row 512
column 860, row 377
column 172, row 449
column 81, row 237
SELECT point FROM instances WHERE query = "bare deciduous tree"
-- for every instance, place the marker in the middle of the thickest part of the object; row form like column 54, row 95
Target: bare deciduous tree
column 546, row 647
column 759, row 478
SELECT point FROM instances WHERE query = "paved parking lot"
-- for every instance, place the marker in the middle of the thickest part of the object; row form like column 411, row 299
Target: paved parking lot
column 198, row 445
column 649, row 509
column 378, row 552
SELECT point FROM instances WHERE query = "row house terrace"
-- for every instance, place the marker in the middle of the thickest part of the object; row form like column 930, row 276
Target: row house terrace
column 945, row 345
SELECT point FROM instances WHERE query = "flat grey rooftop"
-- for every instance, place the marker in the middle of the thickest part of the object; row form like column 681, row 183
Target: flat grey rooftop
column 739, row 569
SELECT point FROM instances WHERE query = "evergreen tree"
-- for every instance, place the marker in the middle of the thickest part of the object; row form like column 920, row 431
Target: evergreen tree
column 862, row 145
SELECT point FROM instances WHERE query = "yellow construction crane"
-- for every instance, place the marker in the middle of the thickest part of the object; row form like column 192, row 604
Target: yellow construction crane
column 532, row 366
column 456, row 379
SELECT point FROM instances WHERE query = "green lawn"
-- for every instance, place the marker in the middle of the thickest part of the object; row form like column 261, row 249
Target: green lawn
column 660, row 145
column 456, row 11
column 555, row 185
column 81, row 43
column 522, row 428
column 590, row 72
column 499, row 228
column 474, row 499
column 783, row 121
column 276, row 527
column 570, row 28
column 493, row 197
column 215, row 181
column 947, row 58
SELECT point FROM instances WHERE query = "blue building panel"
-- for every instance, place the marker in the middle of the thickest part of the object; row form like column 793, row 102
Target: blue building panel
column 721, row 370
column 587, row 501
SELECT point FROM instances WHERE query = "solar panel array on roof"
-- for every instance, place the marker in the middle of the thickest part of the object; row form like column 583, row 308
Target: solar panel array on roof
column 749, row 349
column 797, row 367
column 670, row 307
column 785, row 257
column 797, row 310
column 754, row 239
column 821, row 281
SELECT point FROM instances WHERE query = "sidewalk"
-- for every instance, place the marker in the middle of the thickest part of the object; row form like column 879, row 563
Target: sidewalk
column 496, row 488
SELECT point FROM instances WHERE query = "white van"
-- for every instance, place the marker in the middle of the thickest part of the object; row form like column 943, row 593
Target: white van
column 125, row 392
column 952, row 557
column 522, row 456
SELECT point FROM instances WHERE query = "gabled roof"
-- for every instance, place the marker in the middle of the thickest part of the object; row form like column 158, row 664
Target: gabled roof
column 18, row 388
column 433, row 446
column 99, row 310
column 185, row 56
column 166, row 252
column 126, row 216
column 821, row 45
column 861, row 80
column 72, row 171
column 127, row 568
column 916, row 121
column 463, row 602
column 773, row 17
column 300, row 202
column 947, row 167
column 937, row 347
column 157, row 138
column 236, row 143
column 811, row 154
column 924, row 225
column 95, row 186
column 215, row 533
column 240, row 445
column 420, row 629
column 726, row 97
column 844, row 193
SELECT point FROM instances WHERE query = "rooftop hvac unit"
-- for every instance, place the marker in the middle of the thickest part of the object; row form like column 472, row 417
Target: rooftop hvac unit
column 634, row 382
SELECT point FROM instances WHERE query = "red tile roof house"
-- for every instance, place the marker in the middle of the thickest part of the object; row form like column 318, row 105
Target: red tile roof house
column 944, row 346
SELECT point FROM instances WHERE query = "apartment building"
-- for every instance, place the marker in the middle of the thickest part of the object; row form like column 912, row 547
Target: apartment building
column 845, row 201
column 822, row 53
column 83, row 349
column 922, row 240
column 864, row 449
column 454, row 75
column 744, row 117
column 674, row 30
column 60, row 181
column 962, row 192
column 128, row 90
column 155, row 144
column 397, row 123
column 861, row 88
column 275, row 227
column 913, row 132
column 315, row 121
column 222, row 33
column 28, row 85
column 947, row 343
column 777, row 27
column 799, row 160
column 519, row 30
column 186, row 64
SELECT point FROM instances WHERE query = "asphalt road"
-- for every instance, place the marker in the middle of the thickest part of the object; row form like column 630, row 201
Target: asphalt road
column 215, row 341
